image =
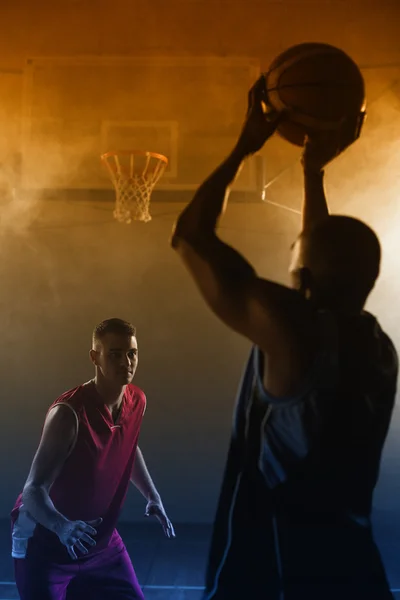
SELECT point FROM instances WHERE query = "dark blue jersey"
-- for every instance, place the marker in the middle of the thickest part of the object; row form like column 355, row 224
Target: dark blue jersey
column 294, row 509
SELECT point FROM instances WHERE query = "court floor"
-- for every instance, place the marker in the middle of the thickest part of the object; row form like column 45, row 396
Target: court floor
column 174, row 569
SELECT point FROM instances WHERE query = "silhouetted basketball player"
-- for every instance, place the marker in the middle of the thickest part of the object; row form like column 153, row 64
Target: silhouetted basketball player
column 64, row 522
column 315, row 403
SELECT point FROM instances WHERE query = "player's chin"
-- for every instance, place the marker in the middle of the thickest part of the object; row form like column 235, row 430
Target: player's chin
column 126, row 377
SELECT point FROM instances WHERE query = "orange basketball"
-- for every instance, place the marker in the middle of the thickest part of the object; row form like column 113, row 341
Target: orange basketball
column 319, row 85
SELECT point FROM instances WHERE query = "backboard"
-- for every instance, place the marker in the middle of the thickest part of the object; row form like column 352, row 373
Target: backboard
column 188, row 109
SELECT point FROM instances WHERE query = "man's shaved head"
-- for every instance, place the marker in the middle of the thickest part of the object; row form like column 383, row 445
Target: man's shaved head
column 341, row 257
column 114, row 326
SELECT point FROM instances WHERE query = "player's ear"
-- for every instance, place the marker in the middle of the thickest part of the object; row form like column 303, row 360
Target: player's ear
column 305, row 281
column 94, row 357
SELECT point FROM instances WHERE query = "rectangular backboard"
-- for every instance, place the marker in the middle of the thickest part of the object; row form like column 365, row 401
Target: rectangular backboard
column 190, row 109
column 143, row 135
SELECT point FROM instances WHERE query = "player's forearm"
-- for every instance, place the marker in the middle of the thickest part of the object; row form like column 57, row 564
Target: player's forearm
column 38, row 503
column 200, row 217
column 315, row 206
column 141, row 478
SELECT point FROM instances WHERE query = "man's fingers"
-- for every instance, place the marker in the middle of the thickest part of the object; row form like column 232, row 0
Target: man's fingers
column 259, row 88
column 86, row 538
column 171, row 529
column 167, row 526
column 71, row 552
column 89, row 529
column 89, row 526
column 95, row 523
column 257, row 94
column 81, row 547
column 158, row 512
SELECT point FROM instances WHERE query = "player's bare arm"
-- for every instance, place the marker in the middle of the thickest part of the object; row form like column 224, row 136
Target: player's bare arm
column 141, row 478
column 272, row 316
column 315, row 206
column 143, row 481
column 319, row 150
column 59, row 434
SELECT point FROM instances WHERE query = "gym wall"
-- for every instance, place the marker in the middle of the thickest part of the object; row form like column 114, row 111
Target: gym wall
column 65, row 265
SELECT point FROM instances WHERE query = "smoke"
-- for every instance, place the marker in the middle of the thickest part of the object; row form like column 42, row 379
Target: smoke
column 26, row 213
column 47, row 169
column 18, row 209
column 47, row 146
column 365, row 181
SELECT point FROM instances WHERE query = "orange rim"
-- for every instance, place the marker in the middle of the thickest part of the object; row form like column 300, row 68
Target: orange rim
column 107, row 155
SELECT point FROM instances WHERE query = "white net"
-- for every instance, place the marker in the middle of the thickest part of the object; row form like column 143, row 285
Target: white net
column 134, row 175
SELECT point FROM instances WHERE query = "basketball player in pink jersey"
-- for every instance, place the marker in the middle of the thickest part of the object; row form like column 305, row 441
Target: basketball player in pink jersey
column 65, row 542
column 316, row 398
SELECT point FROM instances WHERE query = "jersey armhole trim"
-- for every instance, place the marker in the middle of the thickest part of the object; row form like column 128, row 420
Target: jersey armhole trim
column 77, row 423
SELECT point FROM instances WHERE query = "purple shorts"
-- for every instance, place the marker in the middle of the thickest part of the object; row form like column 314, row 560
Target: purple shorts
column 106, row 575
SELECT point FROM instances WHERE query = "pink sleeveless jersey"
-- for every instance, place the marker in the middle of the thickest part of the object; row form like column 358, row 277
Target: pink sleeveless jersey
column 95, row 477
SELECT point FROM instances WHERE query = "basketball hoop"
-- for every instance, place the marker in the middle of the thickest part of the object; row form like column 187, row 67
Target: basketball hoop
column 134, row 174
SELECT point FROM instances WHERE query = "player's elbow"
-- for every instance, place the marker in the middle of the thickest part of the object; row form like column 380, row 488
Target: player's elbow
column 192, row 245
column 175, row 241
column 36, row 483
column 183, row 234
column 30, row 493
column 195, row 228
column 31, row 488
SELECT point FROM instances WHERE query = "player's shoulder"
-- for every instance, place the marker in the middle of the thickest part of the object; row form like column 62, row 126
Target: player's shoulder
column 136, row 391
column 136, row 395
column 387, row 352
column 378, row 330
column 74, row 398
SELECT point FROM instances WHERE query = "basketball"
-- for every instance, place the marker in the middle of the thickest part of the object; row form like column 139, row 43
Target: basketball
column 319, row 85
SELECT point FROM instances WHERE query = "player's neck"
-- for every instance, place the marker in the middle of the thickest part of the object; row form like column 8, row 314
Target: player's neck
column 337, row 304
column 111, row 395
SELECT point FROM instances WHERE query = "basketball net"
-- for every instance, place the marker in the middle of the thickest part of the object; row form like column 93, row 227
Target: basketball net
column 134, row 175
